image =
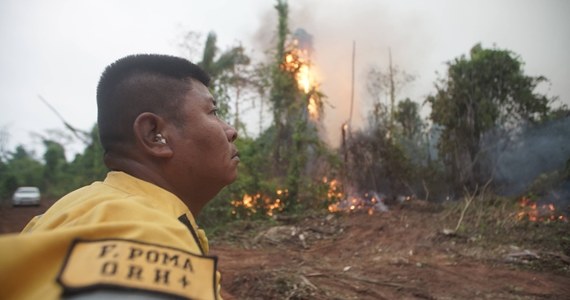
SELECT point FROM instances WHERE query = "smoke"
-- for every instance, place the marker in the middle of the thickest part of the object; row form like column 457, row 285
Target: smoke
column 375, row 27
column 533, row 156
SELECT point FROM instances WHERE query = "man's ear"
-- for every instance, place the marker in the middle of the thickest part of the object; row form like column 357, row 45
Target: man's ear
column 150, row 135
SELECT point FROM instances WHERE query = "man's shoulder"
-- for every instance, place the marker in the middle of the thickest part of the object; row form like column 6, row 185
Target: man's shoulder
column 99, row 203
column 94, row 191
column 76, row 205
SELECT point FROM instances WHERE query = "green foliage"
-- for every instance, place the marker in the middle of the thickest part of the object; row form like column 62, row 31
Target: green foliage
column 389, row 83
column 547, row 182
column 221, row 68
column 557, row 113
column 87, row 166
column 377, row 163
column 408, row 117
column 54, row 169
column 482, row 92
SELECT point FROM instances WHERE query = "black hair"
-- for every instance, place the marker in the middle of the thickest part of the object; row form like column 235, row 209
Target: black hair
column 142, row 83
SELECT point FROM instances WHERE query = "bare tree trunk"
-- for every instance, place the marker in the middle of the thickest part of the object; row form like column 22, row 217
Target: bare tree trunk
column 238, row 92
column 392, row 94
column 352, row 86
column 260, row 114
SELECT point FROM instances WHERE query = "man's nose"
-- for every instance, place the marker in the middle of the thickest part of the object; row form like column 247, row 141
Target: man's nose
column 231, row 133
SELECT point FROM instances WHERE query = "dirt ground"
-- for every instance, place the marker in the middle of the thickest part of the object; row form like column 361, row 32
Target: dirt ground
column 400, row 254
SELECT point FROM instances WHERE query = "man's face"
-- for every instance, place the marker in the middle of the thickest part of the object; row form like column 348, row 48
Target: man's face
column 204, row 153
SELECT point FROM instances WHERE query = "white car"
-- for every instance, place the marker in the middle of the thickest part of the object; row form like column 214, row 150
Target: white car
column 26, row 195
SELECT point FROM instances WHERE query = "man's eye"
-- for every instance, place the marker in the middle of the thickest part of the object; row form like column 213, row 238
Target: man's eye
column 215, row 111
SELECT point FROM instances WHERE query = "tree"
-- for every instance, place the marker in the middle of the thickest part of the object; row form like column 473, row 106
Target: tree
column 260, row 81
column 222, row 70
column 380, row 156
column 378, row 163
column 407, row 115
column 87, row 166
column 389, row 83
column 296, row 140
column 375, row 85
column 283, row 93
column 486, row 90
column 54, row 168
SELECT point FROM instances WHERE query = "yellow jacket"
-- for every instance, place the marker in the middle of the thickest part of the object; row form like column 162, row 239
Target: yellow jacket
column 122, row 234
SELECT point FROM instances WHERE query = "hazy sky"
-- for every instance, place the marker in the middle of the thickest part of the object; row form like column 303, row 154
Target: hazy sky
column 58, row 49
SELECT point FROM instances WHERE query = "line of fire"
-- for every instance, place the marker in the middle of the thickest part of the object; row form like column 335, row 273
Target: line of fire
column 370, row 170
column 341, row 195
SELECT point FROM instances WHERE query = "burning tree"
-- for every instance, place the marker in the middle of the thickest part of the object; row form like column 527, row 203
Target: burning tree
column 299, row 157
column 297, row 106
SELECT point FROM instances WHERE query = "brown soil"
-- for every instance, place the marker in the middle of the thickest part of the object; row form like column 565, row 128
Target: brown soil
column 401, row 254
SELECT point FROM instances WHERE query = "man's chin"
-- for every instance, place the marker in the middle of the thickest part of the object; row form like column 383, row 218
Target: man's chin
column 232, row 178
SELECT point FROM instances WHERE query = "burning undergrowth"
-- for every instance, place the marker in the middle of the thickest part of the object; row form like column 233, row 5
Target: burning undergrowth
column 531, row 234
column 342, row 198
column 335, row 196
column 369, row 202
column 535, row 158
column 259, row 203
column 534, row 212
column 345, row 255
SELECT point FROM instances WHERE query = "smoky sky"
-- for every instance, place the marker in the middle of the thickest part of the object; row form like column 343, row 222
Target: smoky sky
column 535, row 151
column 57, row 49
column 421, row 36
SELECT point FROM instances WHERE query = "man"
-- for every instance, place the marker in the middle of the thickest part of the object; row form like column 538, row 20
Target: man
column 134, row 234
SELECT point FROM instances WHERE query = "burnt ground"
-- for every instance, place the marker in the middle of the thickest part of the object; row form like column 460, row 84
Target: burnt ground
column 400, row 254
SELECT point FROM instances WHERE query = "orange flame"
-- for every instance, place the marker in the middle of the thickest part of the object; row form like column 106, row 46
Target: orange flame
column 304, row 77
column 334, row 193
column 538, row 213
column 251, row 203
column 313, row 108
column 297, row 61
column 368, row 202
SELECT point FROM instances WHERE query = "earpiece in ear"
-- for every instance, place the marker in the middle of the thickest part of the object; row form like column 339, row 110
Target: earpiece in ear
column 160, row 139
